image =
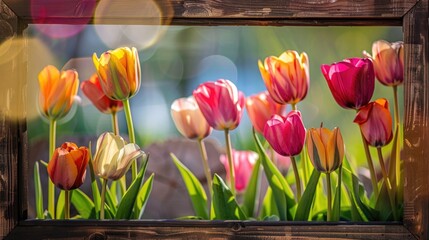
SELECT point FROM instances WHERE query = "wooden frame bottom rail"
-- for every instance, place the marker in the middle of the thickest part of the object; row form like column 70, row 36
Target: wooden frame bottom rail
column 170, row 229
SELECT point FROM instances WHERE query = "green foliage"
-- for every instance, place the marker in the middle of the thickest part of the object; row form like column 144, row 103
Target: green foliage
column 38, row 191
column 252, row 191
column 142, row 197
column 83, row 204
column 304, row 205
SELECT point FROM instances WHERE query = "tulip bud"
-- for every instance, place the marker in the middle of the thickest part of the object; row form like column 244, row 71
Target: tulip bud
column 57, row 91
column 351, row 81
column 286, row 77
column 92, row 90
column 188, row 118
column 388, row 59
column 221, row 103
column 243, row 165
column 286, row 135
column 119, row 72
column 375, row 122
column 325, row 148
column 67, row 167
column 260, row 107
column 113, row 156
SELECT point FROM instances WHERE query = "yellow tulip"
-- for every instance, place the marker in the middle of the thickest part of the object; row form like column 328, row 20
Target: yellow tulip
column 57, row 91
column 325, row 148
column 119, row 72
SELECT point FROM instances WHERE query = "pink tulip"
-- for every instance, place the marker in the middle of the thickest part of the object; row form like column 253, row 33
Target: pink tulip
column 286, row 77
column 375, row 122
column 286, row 135
column 188, row 118
column 351, row 81
column 260, row 108
column 243, row 166
column 388, row 59
column 221, row 103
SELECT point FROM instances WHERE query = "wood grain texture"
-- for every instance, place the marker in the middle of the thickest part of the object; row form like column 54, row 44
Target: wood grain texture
column 416, row 128
column 204, row 230
column 205, row 12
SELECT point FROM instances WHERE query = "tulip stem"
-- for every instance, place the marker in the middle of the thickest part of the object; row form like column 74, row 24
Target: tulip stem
column 328, row 186
column 230, row 161
column 387, row 183
column 131, row 134
column 396, row 109
column 206, row 165
column 115, row 128
column 67, row 204
column 103, row 197
column 371, row 167
column 297, row 179
column 51, row 186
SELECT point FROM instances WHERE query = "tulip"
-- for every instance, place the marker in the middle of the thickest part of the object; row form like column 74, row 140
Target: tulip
column 114, row 156
column 67, row 167
column 260, row 108
column 221, row 103
column 388, row 59
column 286, row 135
column 188, row 118
column 325, row 148
column 119, row 72
column 57, row 91
column 375, row 122
column 243, row 165
column 351, row 81
column 286, row 77
column 93, row 91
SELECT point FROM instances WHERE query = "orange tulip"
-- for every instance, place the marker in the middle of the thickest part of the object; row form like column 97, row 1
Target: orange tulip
column 67, row 167
column 92, row 90
column 325, row 148
column 388, row 61
column 286, row 77
column 260, row 108
column 119, row 72
column 375, row 122
column 57, row 91
column 189, row 119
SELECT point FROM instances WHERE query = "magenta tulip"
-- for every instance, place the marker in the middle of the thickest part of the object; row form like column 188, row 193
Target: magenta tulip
column 221, row 103
column 351, row 81
column 243, row 166
column 286, row 135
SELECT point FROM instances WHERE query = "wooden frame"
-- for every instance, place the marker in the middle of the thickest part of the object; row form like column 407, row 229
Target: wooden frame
column 411, row 14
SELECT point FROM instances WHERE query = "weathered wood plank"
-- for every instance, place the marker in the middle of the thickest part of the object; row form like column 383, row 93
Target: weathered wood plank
column 208, row 11
column 416, row 131
column 205, row 230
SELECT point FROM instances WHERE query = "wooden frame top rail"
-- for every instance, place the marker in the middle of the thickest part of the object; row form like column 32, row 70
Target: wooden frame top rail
column 412, row 15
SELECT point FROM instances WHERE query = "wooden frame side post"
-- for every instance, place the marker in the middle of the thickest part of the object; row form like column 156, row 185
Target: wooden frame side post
column 416, row 124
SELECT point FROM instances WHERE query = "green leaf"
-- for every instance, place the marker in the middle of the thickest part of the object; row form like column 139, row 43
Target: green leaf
column 269, row 207
column 195, row 189
column 251, row 195
column 94, row 186
column 282, row 192
column 59, row 212
column 114, row 192
column 142, row 197
column 38, row 192
column 336, row 209
column 125, row 208
column 224, row 206
column 304, row 205
column 83, row 204
column 110, row 199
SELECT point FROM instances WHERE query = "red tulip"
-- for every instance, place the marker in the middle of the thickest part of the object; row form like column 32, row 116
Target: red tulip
column 188, row 118
column 67, row 167
column 388, row 59
column 286, row 77
column 375, row 122
column 221, row 103
column 286, row 135
column 57, row 91
column 93, row 91
column 243, row 166
column 351, row 81
column 260, row 108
